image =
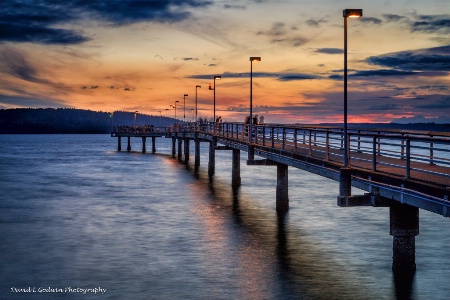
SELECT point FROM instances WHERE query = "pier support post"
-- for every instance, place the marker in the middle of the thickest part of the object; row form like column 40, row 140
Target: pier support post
column 129, row 144
column 119, row 143
column 186, row 150
column 180, row 153
column 345, row 182
column 144, row 139
column 251, row 152
column 212, row 157
column 282, row 188
column 174, row 151
column 404, row 226
column 153, row 144
column 236, row 169
column 197, row 151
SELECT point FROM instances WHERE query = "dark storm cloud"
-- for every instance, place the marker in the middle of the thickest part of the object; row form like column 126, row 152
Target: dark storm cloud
column 432, row 59
column 330, row 50
column 39, row 21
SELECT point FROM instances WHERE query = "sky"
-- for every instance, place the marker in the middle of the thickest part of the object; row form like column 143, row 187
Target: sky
column 135, row 55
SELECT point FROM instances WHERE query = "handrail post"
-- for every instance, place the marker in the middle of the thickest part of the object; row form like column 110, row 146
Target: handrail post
column 255, row 127
column 408, row 158
column 310, row 145
column 295, row 139
column 359, row 141
column 284, row 137
column 264, row 135
column 402, row 149
column 379, row 144
column 374, row 154
column 327, row 145
column 349, row 146
column 431, row 152
column 273, row 137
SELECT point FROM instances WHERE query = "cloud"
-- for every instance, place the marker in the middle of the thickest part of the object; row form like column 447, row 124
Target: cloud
column 45, row 21
column 432, row 24
column 189, row 58
column 278, row 29
column 393, row 18
column 443, row 104
column 315, row 23
column 281, row 76
column 374, row 21
column 432, row 59
column 281, row 34
column 234, row 6
column 16, row 64
column 24, row 101
column 330, row 50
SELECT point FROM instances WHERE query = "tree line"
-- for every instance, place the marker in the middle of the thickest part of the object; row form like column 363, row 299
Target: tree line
column 70, row 120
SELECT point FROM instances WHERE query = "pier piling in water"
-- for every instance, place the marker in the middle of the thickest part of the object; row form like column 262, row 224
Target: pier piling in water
column 174, row 150
column 180, row 147
column 153, row 144
column 212, row 157
column 404, row 227
column 197, row 151
column 129, row 144
column 282, row 193
column 186, row 150
column 143, row 144
column 119, row 144
column 236, row 169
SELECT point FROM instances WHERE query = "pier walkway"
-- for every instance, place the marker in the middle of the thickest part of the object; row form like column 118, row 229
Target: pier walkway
column 403, row 170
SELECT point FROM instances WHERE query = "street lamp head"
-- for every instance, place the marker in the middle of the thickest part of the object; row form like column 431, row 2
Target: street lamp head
column 198, row 86
column 177, row 101
column 255, row 58
column 217, row 77
column 185, row 95
column 352, row 13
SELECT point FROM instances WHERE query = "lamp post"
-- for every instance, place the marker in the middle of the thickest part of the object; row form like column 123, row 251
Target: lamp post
column 184, row 107
column 347, row 13
column 214, row 89
column 250, row 152
column 175, row 108
column 196, row 89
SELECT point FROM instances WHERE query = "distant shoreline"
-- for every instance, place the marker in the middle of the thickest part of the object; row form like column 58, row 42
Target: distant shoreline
column 79, row 121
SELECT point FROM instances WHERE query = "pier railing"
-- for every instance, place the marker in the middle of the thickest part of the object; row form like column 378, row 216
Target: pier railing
column 403, row 152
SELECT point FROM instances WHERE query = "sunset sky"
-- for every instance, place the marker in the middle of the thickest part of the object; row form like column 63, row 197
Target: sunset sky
column 144, row 55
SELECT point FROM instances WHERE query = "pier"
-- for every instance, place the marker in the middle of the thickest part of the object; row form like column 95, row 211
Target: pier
column 403, row 170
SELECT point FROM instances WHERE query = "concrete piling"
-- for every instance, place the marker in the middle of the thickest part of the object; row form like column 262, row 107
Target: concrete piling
column 143, row 144
column 404, row 227
column 236, row 169
column 282, row 195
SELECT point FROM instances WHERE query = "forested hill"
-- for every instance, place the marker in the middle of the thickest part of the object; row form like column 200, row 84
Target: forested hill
column 68, row 120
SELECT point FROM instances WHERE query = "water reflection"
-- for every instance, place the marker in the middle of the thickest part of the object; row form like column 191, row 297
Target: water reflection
column 272, row 256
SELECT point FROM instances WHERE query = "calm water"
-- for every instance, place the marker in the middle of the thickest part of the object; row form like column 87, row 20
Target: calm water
column 76, row 214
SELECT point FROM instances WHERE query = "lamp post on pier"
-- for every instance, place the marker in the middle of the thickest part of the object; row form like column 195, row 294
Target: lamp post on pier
column 214, row 89
column 196, row 89
column 175, row 108
column 345, row 173
column 347, row 13
column 184, row 107
column 251, row 153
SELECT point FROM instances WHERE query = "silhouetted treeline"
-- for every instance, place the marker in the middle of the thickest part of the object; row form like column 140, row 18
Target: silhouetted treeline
column 68, row 120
